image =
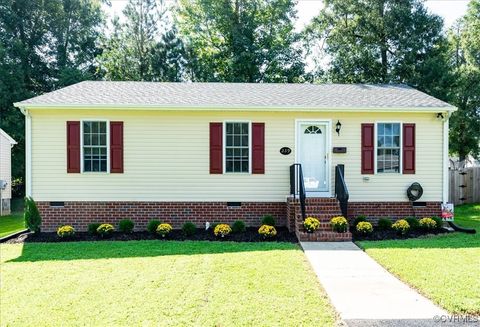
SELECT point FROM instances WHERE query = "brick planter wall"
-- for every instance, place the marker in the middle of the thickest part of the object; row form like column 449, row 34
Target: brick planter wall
column 395, row 210
column 80, row 214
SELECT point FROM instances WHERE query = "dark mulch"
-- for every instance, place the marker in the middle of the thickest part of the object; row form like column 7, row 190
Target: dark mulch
column 379, row 235
column 251, row 235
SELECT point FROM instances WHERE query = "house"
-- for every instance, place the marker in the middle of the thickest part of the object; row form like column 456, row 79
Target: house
column 217, row 152
column 6, row 144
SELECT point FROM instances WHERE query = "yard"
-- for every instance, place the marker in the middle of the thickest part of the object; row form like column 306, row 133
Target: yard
column 160, row 283
column 444, row 268
column 14, row 222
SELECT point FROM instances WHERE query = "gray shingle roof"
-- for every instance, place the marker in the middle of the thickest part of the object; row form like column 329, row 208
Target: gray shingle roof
column 237, row 95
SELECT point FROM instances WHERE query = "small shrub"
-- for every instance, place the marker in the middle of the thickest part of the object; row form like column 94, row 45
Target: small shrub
column 267, row 231
column 384, row 224
column 65, row 231
column 359, row 219
column 32, row 217
column 413, row 222
column 92, row 228
column 222, row 230
column 153, row 225
column 164, row 229
column 427, row 224
column 239, row 226
column 126, row 226
column 311, row 224
column 189, row 228
column 401, row 226
column 268, row 220
column 339, row 224
column 364, row 227
column 438, row 221
column 105, row 230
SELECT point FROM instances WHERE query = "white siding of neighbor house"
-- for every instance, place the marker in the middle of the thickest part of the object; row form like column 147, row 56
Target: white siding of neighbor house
column 5, row 165
column 166, row 157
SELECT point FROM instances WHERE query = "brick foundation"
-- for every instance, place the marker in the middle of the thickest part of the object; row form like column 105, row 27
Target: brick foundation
column 394, row 210
column 80, row 214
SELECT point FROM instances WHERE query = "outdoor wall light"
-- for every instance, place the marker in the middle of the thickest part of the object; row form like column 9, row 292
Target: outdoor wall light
column 339, row 127
column 440, row 116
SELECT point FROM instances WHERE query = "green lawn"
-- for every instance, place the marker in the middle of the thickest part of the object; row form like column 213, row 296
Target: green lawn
column 160, row 283
column 444, row 268
column 11, row 223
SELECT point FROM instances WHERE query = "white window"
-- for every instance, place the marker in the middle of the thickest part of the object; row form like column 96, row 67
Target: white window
column 388, row 147
column 237, row 147
column 95, row 146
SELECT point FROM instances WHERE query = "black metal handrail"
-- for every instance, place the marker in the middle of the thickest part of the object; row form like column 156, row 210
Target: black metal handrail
column 341, row 191
column 297, row 186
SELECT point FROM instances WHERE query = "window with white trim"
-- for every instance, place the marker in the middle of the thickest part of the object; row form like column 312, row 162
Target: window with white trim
column 388, row 147
column 237, row 147
column 95, row 146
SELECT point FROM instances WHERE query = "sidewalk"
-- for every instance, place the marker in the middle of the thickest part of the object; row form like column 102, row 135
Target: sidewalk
column 363, row 291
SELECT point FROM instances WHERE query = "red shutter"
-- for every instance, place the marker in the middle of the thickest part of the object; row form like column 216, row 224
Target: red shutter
column 258, row 148
column 116, row 147
column 73, row 146
column 368, row 148
column 408, row 152
column 216, row 148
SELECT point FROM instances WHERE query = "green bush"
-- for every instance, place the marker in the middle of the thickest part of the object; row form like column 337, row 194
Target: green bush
column 339, row 224
column 33, row 220
column 164, row 229
column 126, row 226
column 384, row 224
column 239, row 226
column 153, row 225
column 364, row 227
column 438, row 221
column 189, row 228
column 92, row 228
column 65, row 231
column 427, row 224
column 359, row 219
column 401, row 226
column 311, row 224
column 105, row 230
column 268, row 220
column 413, row 222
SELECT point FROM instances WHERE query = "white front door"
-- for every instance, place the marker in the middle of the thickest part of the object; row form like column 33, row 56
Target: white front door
column 312, row 155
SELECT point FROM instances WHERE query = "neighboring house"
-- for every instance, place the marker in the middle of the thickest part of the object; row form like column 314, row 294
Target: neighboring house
column 6, row 144
column 217, row 152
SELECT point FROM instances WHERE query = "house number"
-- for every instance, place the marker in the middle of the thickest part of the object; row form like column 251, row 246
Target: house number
column 285, row 151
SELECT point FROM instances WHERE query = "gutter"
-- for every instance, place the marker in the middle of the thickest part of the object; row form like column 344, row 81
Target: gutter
column 28, row 151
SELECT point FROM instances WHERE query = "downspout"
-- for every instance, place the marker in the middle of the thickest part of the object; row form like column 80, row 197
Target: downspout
column 445, row 158
column 28, row 151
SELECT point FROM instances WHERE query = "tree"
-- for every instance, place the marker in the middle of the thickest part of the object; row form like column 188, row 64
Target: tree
column 378, row 41
column 241, row 40
column 464, row 51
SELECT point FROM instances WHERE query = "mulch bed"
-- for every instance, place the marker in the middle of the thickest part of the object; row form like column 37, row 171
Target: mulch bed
column 251, row 235
column 379, row 235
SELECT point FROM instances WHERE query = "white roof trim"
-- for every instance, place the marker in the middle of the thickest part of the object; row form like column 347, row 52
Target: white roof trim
column 8, row 137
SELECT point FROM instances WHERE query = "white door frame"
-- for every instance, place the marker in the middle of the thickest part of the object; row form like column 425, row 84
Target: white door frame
column 328, row 149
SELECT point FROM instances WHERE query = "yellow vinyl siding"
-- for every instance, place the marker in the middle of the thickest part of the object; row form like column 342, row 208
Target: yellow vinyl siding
column 166, row 158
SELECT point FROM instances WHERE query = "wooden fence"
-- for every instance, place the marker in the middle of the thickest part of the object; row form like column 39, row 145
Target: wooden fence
column 464, row 185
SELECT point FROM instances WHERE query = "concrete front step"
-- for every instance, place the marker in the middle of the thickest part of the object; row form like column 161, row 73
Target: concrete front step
column 324, row 236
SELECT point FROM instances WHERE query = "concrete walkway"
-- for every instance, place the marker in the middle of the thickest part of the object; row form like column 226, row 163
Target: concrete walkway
column 361, row 290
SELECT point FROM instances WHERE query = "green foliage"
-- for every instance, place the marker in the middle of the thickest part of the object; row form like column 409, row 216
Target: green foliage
column 164, row 229
column 364, row 227
column 126, row 226
column 105, row 230
column 268, row 220
column 153, row 225
column 92, row 228
column 239, row 226
column 65, row 231
column 311, row 224
column 339, row 224
column 359, row 219
column 189, row 228
column 222, row 230
column 384, row 224
column 412, row 222
column 267, row 231
column 33, row 220
column 438, row 222
column 401, row 226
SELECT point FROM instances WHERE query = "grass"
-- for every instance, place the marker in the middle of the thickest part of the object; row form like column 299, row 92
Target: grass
column 12, row 223
column 160, row 283
column 444, row 268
